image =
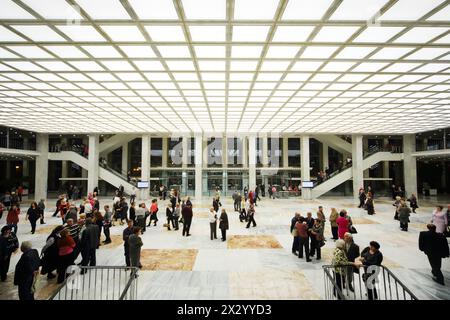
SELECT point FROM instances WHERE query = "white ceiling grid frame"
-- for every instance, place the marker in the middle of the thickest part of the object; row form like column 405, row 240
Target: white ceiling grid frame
column 422, row 68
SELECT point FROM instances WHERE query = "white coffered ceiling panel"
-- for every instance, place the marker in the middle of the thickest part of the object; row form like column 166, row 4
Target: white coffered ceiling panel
column 290, row 66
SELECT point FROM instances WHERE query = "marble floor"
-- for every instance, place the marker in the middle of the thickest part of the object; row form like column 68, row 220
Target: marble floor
column 254, row 263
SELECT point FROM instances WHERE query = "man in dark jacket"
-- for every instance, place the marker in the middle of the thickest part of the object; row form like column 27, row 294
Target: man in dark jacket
column 435, row 246
column 89, row 243
column 352, row 252
column 294, row 220
column 8, row 244
column 187, row 219
column 127, row 232
column 26, row 270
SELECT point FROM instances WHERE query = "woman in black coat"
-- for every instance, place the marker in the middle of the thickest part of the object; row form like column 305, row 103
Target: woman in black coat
column 223, row 224
column 33, row 215
column 49, row 254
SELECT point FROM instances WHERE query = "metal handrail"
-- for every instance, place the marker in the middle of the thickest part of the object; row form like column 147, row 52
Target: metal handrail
column 389, row 287
column 89, row 287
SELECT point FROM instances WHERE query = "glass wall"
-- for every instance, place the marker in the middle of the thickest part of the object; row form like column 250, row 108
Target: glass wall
column 156, row 152
column 235, row 152
column 275, row 152
column 433, row 140
column 214, row 152
column 294, row 152
column 17, row 139
column 175, row 152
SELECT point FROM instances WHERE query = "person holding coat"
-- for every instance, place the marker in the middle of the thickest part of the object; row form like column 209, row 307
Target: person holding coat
column 223, row 224
column 135, row 243
column 435, row 246
column 403, row 215
column 26, row 271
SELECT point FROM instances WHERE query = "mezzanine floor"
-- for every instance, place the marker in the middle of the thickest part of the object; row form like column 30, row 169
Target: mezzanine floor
column 254, row 263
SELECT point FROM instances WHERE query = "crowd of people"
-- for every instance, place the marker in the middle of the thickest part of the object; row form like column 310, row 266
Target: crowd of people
column 81, row 228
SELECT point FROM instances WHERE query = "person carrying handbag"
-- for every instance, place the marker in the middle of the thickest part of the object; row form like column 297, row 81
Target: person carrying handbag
column 317, row 239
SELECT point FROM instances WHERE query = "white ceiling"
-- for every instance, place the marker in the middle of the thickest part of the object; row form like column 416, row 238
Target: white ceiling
column 297, row 66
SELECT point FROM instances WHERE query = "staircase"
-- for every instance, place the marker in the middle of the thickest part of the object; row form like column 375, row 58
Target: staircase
column 105, row 173
column 340, row 177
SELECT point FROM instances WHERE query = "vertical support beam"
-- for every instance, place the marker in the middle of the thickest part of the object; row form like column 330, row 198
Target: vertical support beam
column 305, row 162
column 125, row 158
column 145, row 164
column 84, row 172
column 224, row 151
column 185, row 142
column 409, row 164
column 357, row 165
column 93, row 162
column 165, row 151
column 325, row 159
column 285, row 152
column 244, row 152
column 64, row 164
column 252, row 162
column 41, row 172
column 199, row 157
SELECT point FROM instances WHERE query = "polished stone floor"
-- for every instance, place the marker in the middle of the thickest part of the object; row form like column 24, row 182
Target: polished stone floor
column 254, row 263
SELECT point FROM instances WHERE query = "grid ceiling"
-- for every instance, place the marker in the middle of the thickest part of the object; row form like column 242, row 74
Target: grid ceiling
column 297, row 66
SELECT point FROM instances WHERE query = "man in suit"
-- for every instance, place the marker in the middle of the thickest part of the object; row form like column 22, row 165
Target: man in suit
column 90, row 240
column 435, row 246
column 26, row 270
column 352, row 252
column 187, row 219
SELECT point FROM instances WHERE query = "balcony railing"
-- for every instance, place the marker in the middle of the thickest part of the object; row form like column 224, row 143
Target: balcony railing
column 99, row 283
column 351, row 283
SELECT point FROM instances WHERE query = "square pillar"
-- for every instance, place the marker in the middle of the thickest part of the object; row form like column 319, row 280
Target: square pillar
column 385, row 163
column 306, row 166
column 125, row 158
column 185, row 151
column 165, row 151
column 199, row 155
column 285, row 152
column 224, row 153
column 244, row 152
column 409, row 164
column 252, row 162
column 41, row 172
column 65, row 164
column 357, row 165
column 145, row 165
column 93, row 158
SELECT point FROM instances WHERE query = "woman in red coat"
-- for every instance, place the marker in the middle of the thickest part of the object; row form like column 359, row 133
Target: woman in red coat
column 12, row 219
column 342, row 223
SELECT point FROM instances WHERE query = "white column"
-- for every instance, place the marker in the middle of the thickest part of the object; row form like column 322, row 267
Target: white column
column 165, row 151
column 265, row 150
column 325, row 160
column 41, row 172
column 357, row 165
column 252, row 162
column 224, row 152
column 184, row 163
column 125, row 158
column 199, row 155
column 409, row 164
column 145, row 165
column 64, row 164
column 93, row 162
column 305, row 163
column 285, row 152
column 244, row 152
